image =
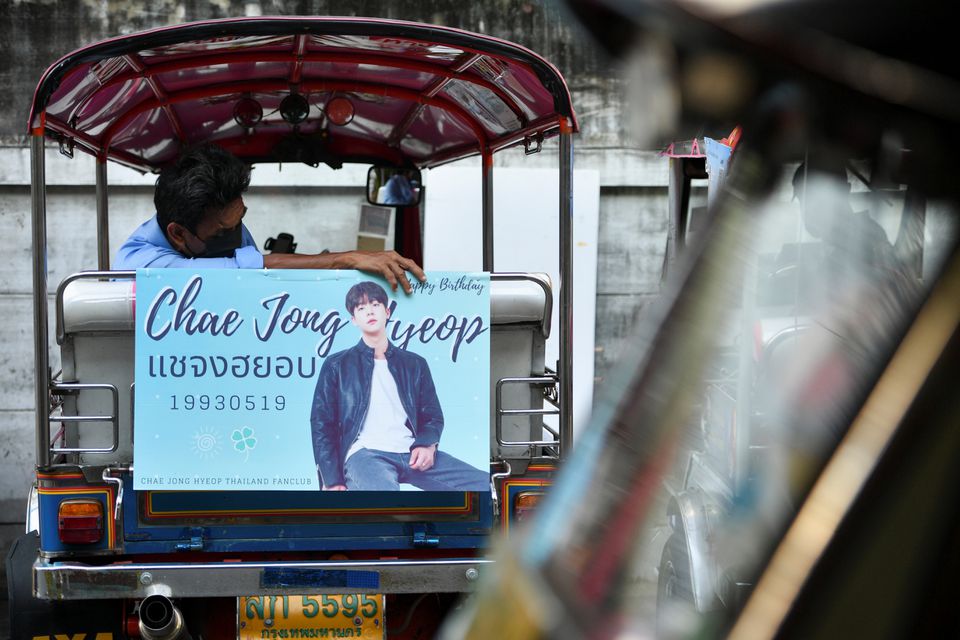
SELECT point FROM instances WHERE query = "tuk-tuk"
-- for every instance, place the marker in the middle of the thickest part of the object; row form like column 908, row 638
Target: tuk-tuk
column 102, row 558
column 777, row 454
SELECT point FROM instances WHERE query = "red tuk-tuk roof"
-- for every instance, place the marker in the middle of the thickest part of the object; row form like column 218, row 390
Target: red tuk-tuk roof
column 420, row 94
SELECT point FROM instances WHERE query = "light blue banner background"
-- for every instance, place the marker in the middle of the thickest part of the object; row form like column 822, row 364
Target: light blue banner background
column 194, row 426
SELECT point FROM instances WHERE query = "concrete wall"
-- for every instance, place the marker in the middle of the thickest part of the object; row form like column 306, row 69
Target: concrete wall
column 633, row 209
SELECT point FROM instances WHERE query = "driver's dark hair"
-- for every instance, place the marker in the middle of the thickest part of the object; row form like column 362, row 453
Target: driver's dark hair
column 366, row 291
column 204, row 178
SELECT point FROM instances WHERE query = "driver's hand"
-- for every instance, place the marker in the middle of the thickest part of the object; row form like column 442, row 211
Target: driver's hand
column 392, row 266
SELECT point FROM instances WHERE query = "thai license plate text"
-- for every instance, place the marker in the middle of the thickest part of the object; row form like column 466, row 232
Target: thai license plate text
column 349, row 615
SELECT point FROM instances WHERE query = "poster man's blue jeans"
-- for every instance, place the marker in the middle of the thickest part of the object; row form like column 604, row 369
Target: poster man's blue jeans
column 372, row 470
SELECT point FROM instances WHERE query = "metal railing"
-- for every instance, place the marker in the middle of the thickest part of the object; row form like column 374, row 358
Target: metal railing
column 67, row 388
column 542, row 381
column 62, row 388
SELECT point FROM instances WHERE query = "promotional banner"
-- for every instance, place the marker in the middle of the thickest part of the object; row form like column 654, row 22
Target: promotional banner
column 303, row 380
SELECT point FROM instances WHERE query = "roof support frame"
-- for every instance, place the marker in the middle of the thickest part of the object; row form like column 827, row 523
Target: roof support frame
column 486, row 164
column 565, row 362
column 437, row 85
column 137, row 63
column 41, row 372
column 548, row 127
column 89, row 144
column 296, row 72
column 455, row 72
column 308, row 87
column 220, row 30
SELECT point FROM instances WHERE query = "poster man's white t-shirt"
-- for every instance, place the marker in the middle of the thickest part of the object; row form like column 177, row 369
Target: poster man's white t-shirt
column 385, row 427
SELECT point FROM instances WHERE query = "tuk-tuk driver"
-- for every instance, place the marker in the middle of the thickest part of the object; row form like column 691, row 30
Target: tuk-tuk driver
column 199, row 224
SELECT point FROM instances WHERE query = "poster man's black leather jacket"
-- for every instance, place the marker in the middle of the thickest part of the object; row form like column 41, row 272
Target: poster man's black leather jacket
column 342, row 397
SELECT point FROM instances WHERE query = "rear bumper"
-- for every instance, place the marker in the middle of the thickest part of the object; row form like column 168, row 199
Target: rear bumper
column 75, row 581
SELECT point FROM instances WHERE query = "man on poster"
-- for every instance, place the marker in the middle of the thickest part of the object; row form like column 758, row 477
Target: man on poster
column 376, row 420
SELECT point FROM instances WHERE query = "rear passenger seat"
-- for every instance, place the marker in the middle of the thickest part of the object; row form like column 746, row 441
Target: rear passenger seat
column 95, row 322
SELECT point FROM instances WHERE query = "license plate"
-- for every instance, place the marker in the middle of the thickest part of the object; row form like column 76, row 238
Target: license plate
column 350, row 615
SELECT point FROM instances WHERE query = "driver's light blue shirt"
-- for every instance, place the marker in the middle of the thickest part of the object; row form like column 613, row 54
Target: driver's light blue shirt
column 147, row 246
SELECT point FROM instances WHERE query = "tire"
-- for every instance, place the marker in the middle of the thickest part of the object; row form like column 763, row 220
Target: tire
column 676, row 612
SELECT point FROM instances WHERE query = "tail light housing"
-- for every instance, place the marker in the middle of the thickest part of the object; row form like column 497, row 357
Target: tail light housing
column 80, row 521
column 525, row 504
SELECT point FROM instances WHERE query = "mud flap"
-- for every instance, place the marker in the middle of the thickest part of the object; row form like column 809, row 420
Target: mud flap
column 35, row 619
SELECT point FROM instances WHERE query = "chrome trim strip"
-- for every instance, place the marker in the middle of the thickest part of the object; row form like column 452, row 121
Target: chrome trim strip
column 74, row 581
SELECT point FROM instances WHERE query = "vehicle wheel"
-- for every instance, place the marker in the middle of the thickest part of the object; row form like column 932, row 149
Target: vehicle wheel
column 676, row 612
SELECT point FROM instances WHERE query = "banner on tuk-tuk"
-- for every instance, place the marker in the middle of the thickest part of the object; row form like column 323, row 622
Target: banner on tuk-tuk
column 303, row 380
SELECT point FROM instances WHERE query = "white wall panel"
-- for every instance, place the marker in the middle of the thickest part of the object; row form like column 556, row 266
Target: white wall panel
column 526, row 238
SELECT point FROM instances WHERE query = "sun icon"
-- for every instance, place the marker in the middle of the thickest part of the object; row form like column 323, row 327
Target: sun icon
column 206, row 443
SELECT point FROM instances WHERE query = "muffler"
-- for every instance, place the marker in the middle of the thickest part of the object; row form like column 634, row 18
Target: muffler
column 160, row 619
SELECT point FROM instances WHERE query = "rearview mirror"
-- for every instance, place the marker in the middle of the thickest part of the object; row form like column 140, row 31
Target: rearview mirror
column 393, row 186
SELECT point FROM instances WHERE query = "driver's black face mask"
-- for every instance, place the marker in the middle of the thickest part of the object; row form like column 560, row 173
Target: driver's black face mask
column 222, row 245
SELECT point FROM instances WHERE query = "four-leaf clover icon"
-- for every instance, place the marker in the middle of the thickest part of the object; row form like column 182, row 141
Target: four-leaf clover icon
column 243, row 440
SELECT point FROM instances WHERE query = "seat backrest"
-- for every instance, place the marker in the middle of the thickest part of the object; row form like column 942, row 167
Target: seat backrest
column 95, row 322
column 520, row 310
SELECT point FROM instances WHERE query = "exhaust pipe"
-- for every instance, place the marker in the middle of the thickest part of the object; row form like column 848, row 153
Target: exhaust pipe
column 160, row 619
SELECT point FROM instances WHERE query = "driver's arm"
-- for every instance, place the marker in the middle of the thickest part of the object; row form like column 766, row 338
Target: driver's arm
column 389, row 264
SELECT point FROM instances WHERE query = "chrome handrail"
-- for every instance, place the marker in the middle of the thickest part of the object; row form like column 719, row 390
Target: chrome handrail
column 109, row 477
column 532, row 380
column 113, row 418
column 494, row 496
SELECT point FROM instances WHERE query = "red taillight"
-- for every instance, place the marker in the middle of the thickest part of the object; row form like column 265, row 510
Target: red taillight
column 80, row 521
column 525, row 504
